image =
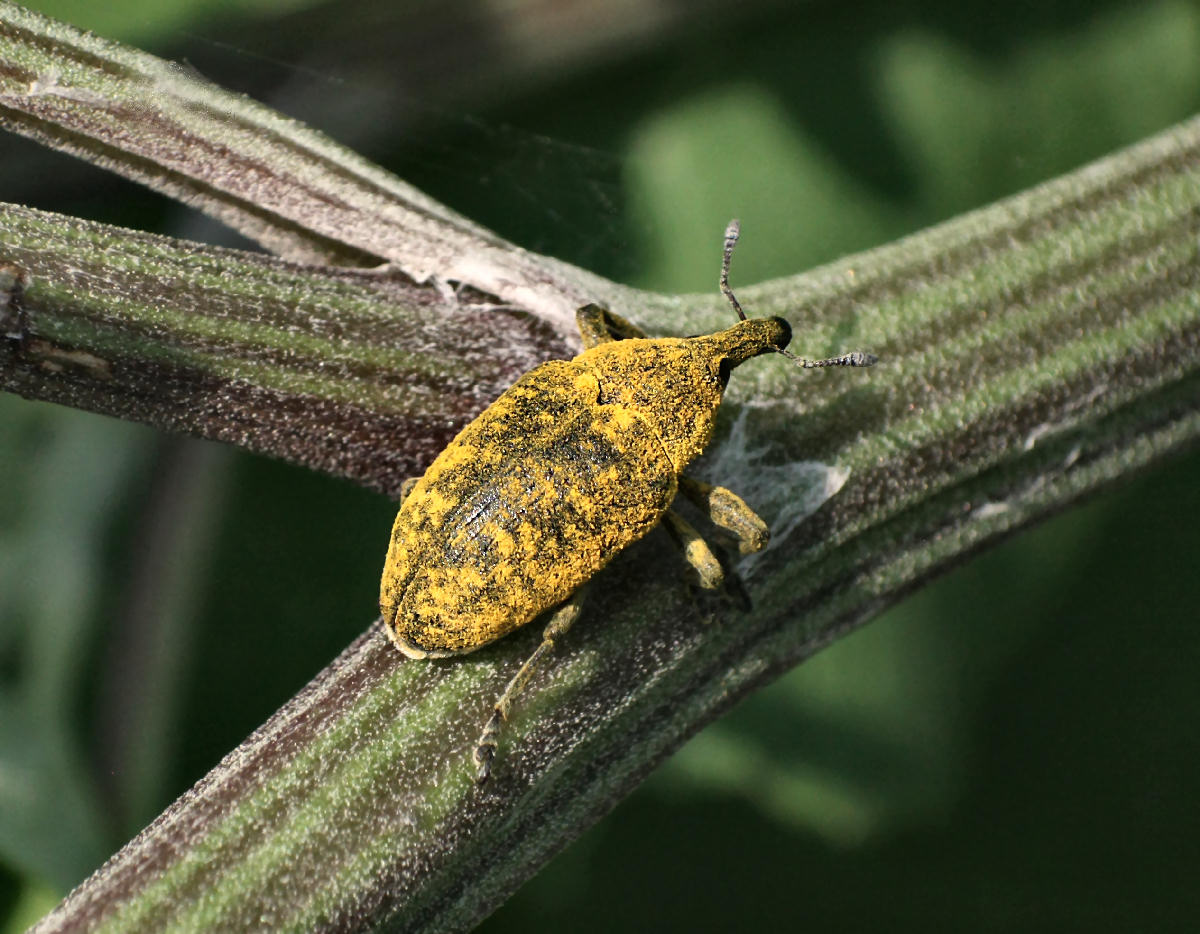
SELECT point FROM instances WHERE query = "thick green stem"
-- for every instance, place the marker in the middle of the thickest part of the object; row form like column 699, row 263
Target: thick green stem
column 292, row 189
column 1030, row 353
column 350, row 372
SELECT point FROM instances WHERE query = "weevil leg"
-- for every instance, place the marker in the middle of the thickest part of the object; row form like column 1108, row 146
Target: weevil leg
column 599, row 326
column 728, row 511
column 406, row 487
column 562, row 620
column 696, row 551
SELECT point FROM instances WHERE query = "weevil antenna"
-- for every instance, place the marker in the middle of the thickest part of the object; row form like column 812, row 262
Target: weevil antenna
column 732, row 232
column 854, row 358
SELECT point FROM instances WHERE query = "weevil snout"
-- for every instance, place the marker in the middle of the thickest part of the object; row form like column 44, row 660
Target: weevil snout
column 765, row 335
column 751, row 337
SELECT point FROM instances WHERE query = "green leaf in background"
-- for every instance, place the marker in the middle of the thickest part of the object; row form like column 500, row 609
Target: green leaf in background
column 811, row 208
column 974, row 127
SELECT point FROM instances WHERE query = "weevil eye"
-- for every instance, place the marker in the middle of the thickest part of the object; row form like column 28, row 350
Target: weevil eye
column 785, row 332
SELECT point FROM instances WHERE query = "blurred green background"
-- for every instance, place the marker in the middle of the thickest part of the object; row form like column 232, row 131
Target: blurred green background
column 1014, row 746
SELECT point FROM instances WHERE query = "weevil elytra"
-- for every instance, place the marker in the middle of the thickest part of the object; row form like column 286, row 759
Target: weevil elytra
column 575, row 461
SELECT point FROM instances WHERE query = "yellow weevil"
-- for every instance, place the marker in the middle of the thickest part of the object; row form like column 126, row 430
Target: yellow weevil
column 575, row 461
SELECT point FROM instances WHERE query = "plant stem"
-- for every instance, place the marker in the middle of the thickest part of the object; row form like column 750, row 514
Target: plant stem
column 1031, row 353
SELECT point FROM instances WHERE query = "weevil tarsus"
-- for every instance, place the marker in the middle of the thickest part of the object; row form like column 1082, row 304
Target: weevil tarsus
column 562, row 620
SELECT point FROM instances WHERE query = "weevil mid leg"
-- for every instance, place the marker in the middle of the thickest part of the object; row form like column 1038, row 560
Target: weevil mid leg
column 562, row 620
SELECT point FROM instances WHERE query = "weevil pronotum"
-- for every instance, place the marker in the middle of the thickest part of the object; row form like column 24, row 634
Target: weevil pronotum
column 575, row 461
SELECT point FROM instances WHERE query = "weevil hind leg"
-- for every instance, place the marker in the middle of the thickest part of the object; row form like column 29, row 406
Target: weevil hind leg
column 726, row 510
column 562, row 620
column 598, row 325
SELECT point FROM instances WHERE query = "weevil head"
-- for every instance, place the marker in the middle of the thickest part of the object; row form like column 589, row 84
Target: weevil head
column 676, row 383
column 748, row 338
